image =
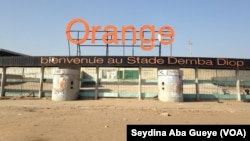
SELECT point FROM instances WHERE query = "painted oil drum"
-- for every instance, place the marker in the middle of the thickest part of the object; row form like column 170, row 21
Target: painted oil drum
column 65, row 84
column 170, row 85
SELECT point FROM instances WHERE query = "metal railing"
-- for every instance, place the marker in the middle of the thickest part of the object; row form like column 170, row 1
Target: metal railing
column 130, row 82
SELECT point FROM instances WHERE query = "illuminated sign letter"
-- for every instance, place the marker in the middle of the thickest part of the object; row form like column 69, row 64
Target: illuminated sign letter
column 94, row 29
column 113, row 34
column 69, row 28
column 170, row 34
column 124, row 29
column 151, row 40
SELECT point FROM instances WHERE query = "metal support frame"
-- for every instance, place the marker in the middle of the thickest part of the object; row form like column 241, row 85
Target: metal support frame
column 78, row 53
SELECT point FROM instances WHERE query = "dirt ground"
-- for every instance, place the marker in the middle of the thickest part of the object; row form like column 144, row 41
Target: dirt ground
column 23, row 119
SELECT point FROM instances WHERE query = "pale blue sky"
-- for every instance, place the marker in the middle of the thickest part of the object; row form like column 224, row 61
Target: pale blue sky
column 217, row 28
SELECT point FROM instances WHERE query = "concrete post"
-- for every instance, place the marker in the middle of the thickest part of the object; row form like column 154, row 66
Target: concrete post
column 197, row 85
column 139, row 84
column 238, row 84
column 3, row 80
column 97, row 82
column 41, row 82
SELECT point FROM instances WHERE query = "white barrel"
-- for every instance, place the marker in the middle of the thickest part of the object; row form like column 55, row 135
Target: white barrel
column 170, row 86
column 65, row 84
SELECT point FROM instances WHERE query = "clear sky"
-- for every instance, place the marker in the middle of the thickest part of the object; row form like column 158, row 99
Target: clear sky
column 217, row 28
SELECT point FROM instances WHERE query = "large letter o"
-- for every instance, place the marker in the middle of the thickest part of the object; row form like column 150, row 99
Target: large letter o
column 68, row 28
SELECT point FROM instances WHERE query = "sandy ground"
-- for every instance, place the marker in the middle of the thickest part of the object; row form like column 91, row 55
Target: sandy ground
column 106, row 119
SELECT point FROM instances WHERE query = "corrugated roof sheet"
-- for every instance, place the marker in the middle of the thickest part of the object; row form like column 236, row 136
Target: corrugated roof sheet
column 4, row 52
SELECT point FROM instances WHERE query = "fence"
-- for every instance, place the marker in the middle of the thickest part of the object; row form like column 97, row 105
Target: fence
column 130, row 82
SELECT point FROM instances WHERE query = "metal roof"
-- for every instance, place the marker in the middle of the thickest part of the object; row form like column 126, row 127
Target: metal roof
column 4, row 52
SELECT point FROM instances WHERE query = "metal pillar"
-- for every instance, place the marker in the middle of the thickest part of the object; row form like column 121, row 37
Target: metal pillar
column 160, row 49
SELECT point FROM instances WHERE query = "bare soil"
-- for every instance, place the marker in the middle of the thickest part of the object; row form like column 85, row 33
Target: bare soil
column 31, row 119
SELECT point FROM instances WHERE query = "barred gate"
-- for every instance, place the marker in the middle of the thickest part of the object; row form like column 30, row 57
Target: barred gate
column 110, row 82
column 22, row 81
column 25, row 81
column 149, row 85
column 130, row 82
column 215, row 84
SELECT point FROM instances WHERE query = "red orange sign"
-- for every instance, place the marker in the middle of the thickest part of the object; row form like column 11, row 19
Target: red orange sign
column 166, row 34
